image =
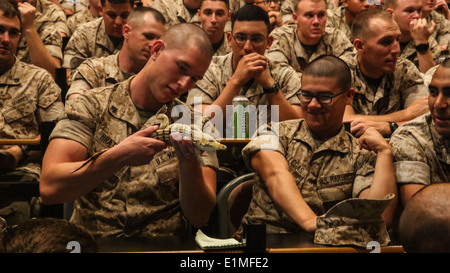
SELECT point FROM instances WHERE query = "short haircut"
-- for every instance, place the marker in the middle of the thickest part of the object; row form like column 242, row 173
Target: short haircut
column 329, row 66
column 181, row 35
column 227, row 2
column 9, row 10
column 390, row 4
column 424, row 224
column 45, row 235
column 296, row 2
column 131, row 2
column 137, row 14
column 361, row 25
column 251, row 13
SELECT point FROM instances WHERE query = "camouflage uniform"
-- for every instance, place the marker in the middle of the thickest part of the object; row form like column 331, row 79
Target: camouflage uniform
column 224, row 47
column 334, row 171
column 75, row 5
column 96, row 72
column 89, row 40
column 135, row 201
column 421, row 155
column 395, row 92
column 288, row 7
column 286, row 46
column 336, row 20
column 50, row 36
column 78, row 19
column 54, row 13
column 409, row 51
column 28, row 96
column 442, row 32
column 175, row 12
column 220, row 72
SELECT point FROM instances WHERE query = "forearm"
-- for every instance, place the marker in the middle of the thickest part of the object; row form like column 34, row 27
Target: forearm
column 58, row 184
column 384, row 183
column 197, row 192
column 39, row 55
column 426, row 61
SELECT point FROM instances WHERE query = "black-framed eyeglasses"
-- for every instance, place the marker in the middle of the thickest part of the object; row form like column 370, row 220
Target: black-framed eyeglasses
column 306, row 97
column 241, row 39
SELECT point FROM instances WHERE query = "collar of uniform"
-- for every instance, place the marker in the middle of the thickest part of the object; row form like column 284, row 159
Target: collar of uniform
column 184, row 15
column 121, row 103
column 102, row 37
column 300, row 51
column 441, row 145
column 112, row 65
column 11, row 77
column 337, row 143
column 362, row 87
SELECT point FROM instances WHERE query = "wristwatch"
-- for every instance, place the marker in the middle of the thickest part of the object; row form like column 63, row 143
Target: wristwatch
column 422, row 48
column 393, row 126
column 272, row 89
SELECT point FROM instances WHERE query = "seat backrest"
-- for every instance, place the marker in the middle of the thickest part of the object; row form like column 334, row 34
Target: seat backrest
column 238, row 203
column 234, row 205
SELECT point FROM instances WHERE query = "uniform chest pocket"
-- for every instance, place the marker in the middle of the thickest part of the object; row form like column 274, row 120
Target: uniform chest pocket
column 167, row 172
column 335, row 187
column 19, row 111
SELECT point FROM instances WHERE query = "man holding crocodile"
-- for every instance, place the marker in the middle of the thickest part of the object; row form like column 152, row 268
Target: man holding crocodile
column 137, row 185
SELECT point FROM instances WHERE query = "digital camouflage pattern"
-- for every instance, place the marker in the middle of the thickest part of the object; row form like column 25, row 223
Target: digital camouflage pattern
column 286, row 47
column 50, row 36
column 336, row 20
column 395, row 92
column 288, row 7
column 325, row 175
column 135, row 201
column 28, row 95
column 409, row 51
column 96, row 72
column 224, row 47
column 354, row 221
column 54, row 13
column 175, row 12
column 89, row 40
column 442, row 32
column 78, row 19
column 220, row 72
column 421, row 155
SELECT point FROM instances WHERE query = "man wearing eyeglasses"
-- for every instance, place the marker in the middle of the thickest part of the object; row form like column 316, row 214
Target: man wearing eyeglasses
column 299, row 44
column 100, row 37
column 246, row 71
column 273, row 9
column 316, row 163
column 389, row 90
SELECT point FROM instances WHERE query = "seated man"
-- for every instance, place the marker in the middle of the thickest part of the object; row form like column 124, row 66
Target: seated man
column 29, row 96
column 135, row 185
column 100, row 37
column 308, row 39
column 421, row 146
column 342, row 17
column 84, row 16
column 314, row 162
column 178, row 11
column 288, row 8
column 41, row 42
column 214, row 15
column 442, row 31
column 54, row 13
column 273, row 9
column 425, row 223
column 416, row 41
column 246, row 71
column 144, row 26
column 388, row 90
